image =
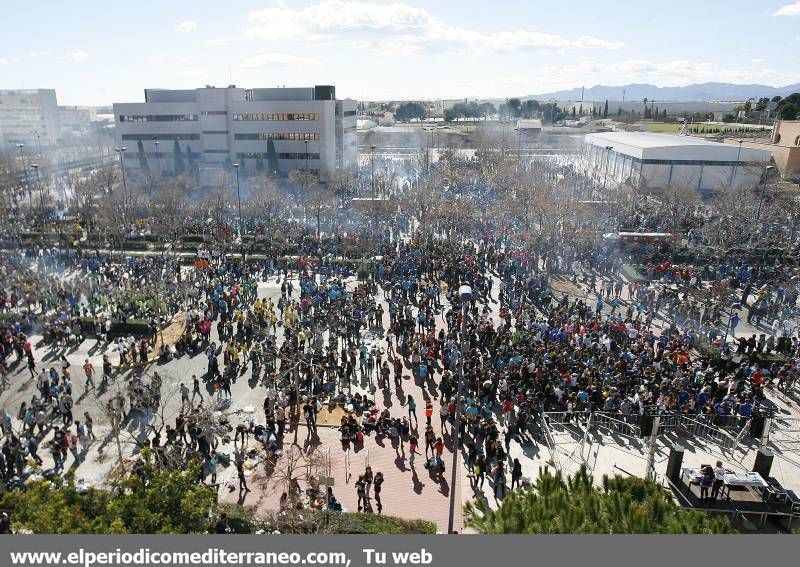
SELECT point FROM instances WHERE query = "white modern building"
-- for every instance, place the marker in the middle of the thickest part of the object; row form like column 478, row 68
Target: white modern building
column 28, row 116
column 657, row 161
column 76, row 120
column 529, row 128
column 307, row 127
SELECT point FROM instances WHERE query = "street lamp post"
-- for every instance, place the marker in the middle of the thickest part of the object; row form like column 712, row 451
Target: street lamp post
column 38, row 144
column 372, row 167
column 605, row 171
column 605, row 180
column 465, row 293
column 20, row 147
column 120, row 152
column 763, row 190
column 239, row 198
column 158, row 156
column 429, row 149
column 736, row 166
column 35, row 167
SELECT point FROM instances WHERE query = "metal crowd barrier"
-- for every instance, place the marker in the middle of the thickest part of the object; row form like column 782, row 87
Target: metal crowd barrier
column 707, row 430
column 618, row 423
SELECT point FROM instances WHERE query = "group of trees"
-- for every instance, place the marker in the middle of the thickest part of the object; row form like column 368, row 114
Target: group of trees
column 788, row 108
column 517, row 108
column 469, row 110
column 183, row 161
column 149, row 500
column 407, row 111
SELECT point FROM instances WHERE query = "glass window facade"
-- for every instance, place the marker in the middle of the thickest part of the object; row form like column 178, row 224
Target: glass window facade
column 158, row 117
column 276, row 116
column 288, row 136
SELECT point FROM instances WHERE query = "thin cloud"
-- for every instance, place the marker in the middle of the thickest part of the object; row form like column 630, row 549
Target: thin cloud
column 664, row 73
column 221, row 40
column 39, row 53
column 75, row 56
column 788, row 10
column 186, row 26
column 400, row 28
column 272, row 59
column 3, row 61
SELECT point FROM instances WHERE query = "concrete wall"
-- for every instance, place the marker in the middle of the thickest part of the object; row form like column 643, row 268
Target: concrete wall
column 786, row 158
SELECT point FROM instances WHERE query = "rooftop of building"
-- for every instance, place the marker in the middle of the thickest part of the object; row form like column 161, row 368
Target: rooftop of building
column 315, row 93
column 650, row 145
column 646, row 140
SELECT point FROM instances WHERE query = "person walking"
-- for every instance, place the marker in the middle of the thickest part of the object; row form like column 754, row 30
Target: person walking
column 428, row 412
column 361, row 494
column 480, row 471
column 89, row 422
column 412, row 409
column 516, row 473
column 184, row 396
column 378, row 483
column 240, row 473
column 499, row 481
column 706, row 481
column 88, row 370
column 412, row 446
column 33, row 449
column 196, row 388
column 719, row 480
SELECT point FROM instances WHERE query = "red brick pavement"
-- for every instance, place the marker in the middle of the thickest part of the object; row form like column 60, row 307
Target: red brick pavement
column 408, row 492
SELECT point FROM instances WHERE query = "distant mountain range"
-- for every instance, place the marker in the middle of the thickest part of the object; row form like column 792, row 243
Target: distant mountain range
column 689, row 93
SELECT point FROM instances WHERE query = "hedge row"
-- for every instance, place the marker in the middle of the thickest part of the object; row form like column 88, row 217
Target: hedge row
column 245, row 520
column 134, row 327
column 762, row 359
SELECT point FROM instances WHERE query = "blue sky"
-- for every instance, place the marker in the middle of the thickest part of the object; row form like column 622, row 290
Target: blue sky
column 98, row 52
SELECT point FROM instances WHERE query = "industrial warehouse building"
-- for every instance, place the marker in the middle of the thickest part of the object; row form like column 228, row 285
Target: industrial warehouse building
column 307, row 127
column 656, row 161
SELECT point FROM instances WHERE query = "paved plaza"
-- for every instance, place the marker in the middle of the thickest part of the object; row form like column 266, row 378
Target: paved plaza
column 410, row 490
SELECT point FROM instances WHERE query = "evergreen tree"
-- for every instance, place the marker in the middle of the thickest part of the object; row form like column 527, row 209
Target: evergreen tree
column 178, row 168
column 619, row 111
column 272, row 157
column 580, row 110
column 573, row 505
column 143, row 165
column 193, row 169
column 605, row 110
column 150, row 501
column 573, row 112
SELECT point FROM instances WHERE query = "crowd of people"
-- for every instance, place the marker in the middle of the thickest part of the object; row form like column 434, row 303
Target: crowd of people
column 615, row 345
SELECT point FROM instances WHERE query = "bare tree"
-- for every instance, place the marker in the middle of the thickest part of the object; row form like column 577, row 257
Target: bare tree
column 343, row 185
column 320, row 201
column 293, row 467
column 301, row 180
column 106, row 178
column 170, row 205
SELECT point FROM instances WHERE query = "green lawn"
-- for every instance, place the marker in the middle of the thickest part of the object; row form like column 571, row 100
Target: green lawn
column 664, row 127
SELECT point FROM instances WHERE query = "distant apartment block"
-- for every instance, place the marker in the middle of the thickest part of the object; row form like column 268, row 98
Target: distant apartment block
column 308, row 128
column 28, row 116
